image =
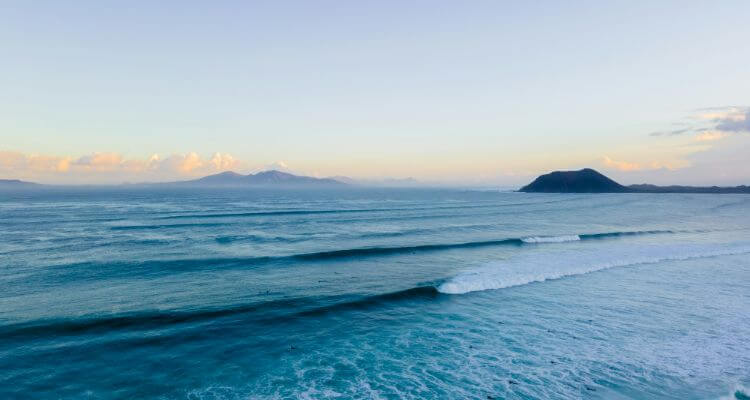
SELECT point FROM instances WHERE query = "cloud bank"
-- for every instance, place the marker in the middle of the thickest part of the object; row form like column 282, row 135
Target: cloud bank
column 627, row 166
column 109, row 167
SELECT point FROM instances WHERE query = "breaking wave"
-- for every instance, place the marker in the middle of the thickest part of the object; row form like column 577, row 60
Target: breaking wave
column 542, row 267
column 551, row 239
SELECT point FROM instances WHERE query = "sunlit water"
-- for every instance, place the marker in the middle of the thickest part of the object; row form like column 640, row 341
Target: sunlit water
column 236, row 294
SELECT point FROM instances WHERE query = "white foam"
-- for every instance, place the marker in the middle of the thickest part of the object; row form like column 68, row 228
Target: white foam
column 540, row 267
column 551, row 239
column 738, row 392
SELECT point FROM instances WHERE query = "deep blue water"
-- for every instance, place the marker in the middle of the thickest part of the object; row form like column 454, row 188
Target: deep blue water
column 379, row 293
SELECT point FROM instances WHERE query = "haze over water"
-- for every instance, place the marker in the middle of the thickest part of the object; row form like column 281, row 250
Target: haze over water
column 372, row 293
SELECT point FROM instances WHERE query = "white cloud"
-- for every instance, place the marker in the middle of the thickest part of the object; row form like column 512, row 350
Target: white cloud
column 713, row 123
column 627, row 166
column 15, row 161
column 620, row 165
column 275, row 166
column 223, row 162
column 109, row 167
column 710, row 136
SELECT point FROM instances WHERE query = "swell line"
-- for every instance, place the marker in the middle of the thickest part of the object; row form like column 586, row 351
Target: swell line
column 368, row 251
column 345, row 211
column 371, row 251
column 163, row 226
column 97, row 269
column 269, row 310
column 606, row 235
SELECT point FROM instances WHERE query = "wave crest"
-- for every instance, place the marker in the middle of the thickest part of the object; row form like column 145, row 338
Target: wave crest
column 548, row 266
column 551, row 239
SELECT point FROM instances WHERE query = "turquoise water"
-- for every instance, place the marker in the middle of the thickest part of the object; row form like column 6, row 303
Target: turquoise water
column 245, row 294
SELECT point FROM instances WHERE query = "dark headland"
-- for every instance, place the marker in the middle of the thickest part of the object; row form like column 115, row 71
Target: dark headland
column 588, row 180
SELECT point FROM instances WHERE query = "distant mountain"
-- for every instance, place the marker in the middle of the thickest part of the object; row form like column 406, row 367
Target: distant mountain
column 265, row 178
column 386, row 182
column 584, row 181
column 646, row 188
column 15, row 183
column 588, row 180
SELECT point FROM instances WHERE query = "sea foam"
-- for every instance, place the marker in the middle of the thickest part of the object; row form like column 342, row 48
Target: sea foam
column 540, row 267
column 551, row 239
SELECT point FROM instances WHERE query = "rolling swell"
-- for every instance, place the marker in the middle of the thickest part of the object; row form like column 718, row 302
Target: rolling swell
column 163, row 226
column 381, row 251
column 369, row 251
column 607, row 235
column 93, row 270
column 346, row 211
column 269, row 311
column 343, row 211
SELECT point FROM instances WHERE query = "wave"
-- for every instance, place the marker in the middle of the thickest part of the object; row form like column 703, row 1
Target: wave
column 607, row 235
column 163, row 226
column 551, row 239
column 742, row 202
column 380, row 251
column 264, row 310
column 259, row 238
column 357, row 210
column 542, row 267
column 737, row 392
column 741, row 393
column 265, row 213
column 367, row 251
column 314, row 212
column 94, row 269
column 345, row 210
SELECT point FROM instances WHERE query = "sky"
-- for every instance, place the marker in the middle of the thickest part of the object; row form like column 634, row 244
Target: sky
column 467, row 93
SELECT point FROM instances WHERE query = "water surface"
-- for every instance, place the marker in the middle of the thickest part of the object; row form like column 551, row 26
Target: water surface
column 372, row 293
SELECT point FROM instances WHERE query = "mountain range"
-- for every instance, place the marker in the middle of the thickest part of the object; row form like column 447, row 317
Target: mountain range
column 15, row 183
column 264, row 178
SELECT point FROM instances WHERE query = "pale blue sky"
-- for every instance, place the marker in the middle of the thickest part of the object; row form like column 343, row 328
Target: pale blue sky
column 440, row 90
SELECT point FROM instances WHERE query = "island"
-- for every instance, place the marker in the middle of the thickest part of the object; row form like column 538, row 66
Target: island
column 588, row 180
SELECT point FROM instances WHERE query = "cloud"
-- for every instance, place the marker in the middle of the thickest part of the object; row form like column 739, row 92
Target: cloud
column 100, row 161
column 674, row 132
column 620, row 165
column 735, row 123
column 626, row 166
column 110, row 167
column 727, row 119
column 707, row 123
column 723, row 114
column 185, row 164
column 11, row 161
column 223, row 162
column 276, row 166
column 710, row 136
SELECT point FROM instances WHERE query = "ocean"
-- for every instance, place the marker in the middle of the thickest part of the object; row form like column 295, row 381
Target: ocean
column 169, row 293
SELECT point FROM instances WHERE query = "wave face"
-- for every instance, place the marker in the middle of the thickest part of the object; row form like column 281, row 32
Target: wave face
column 316, row 294
column 542, row 267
